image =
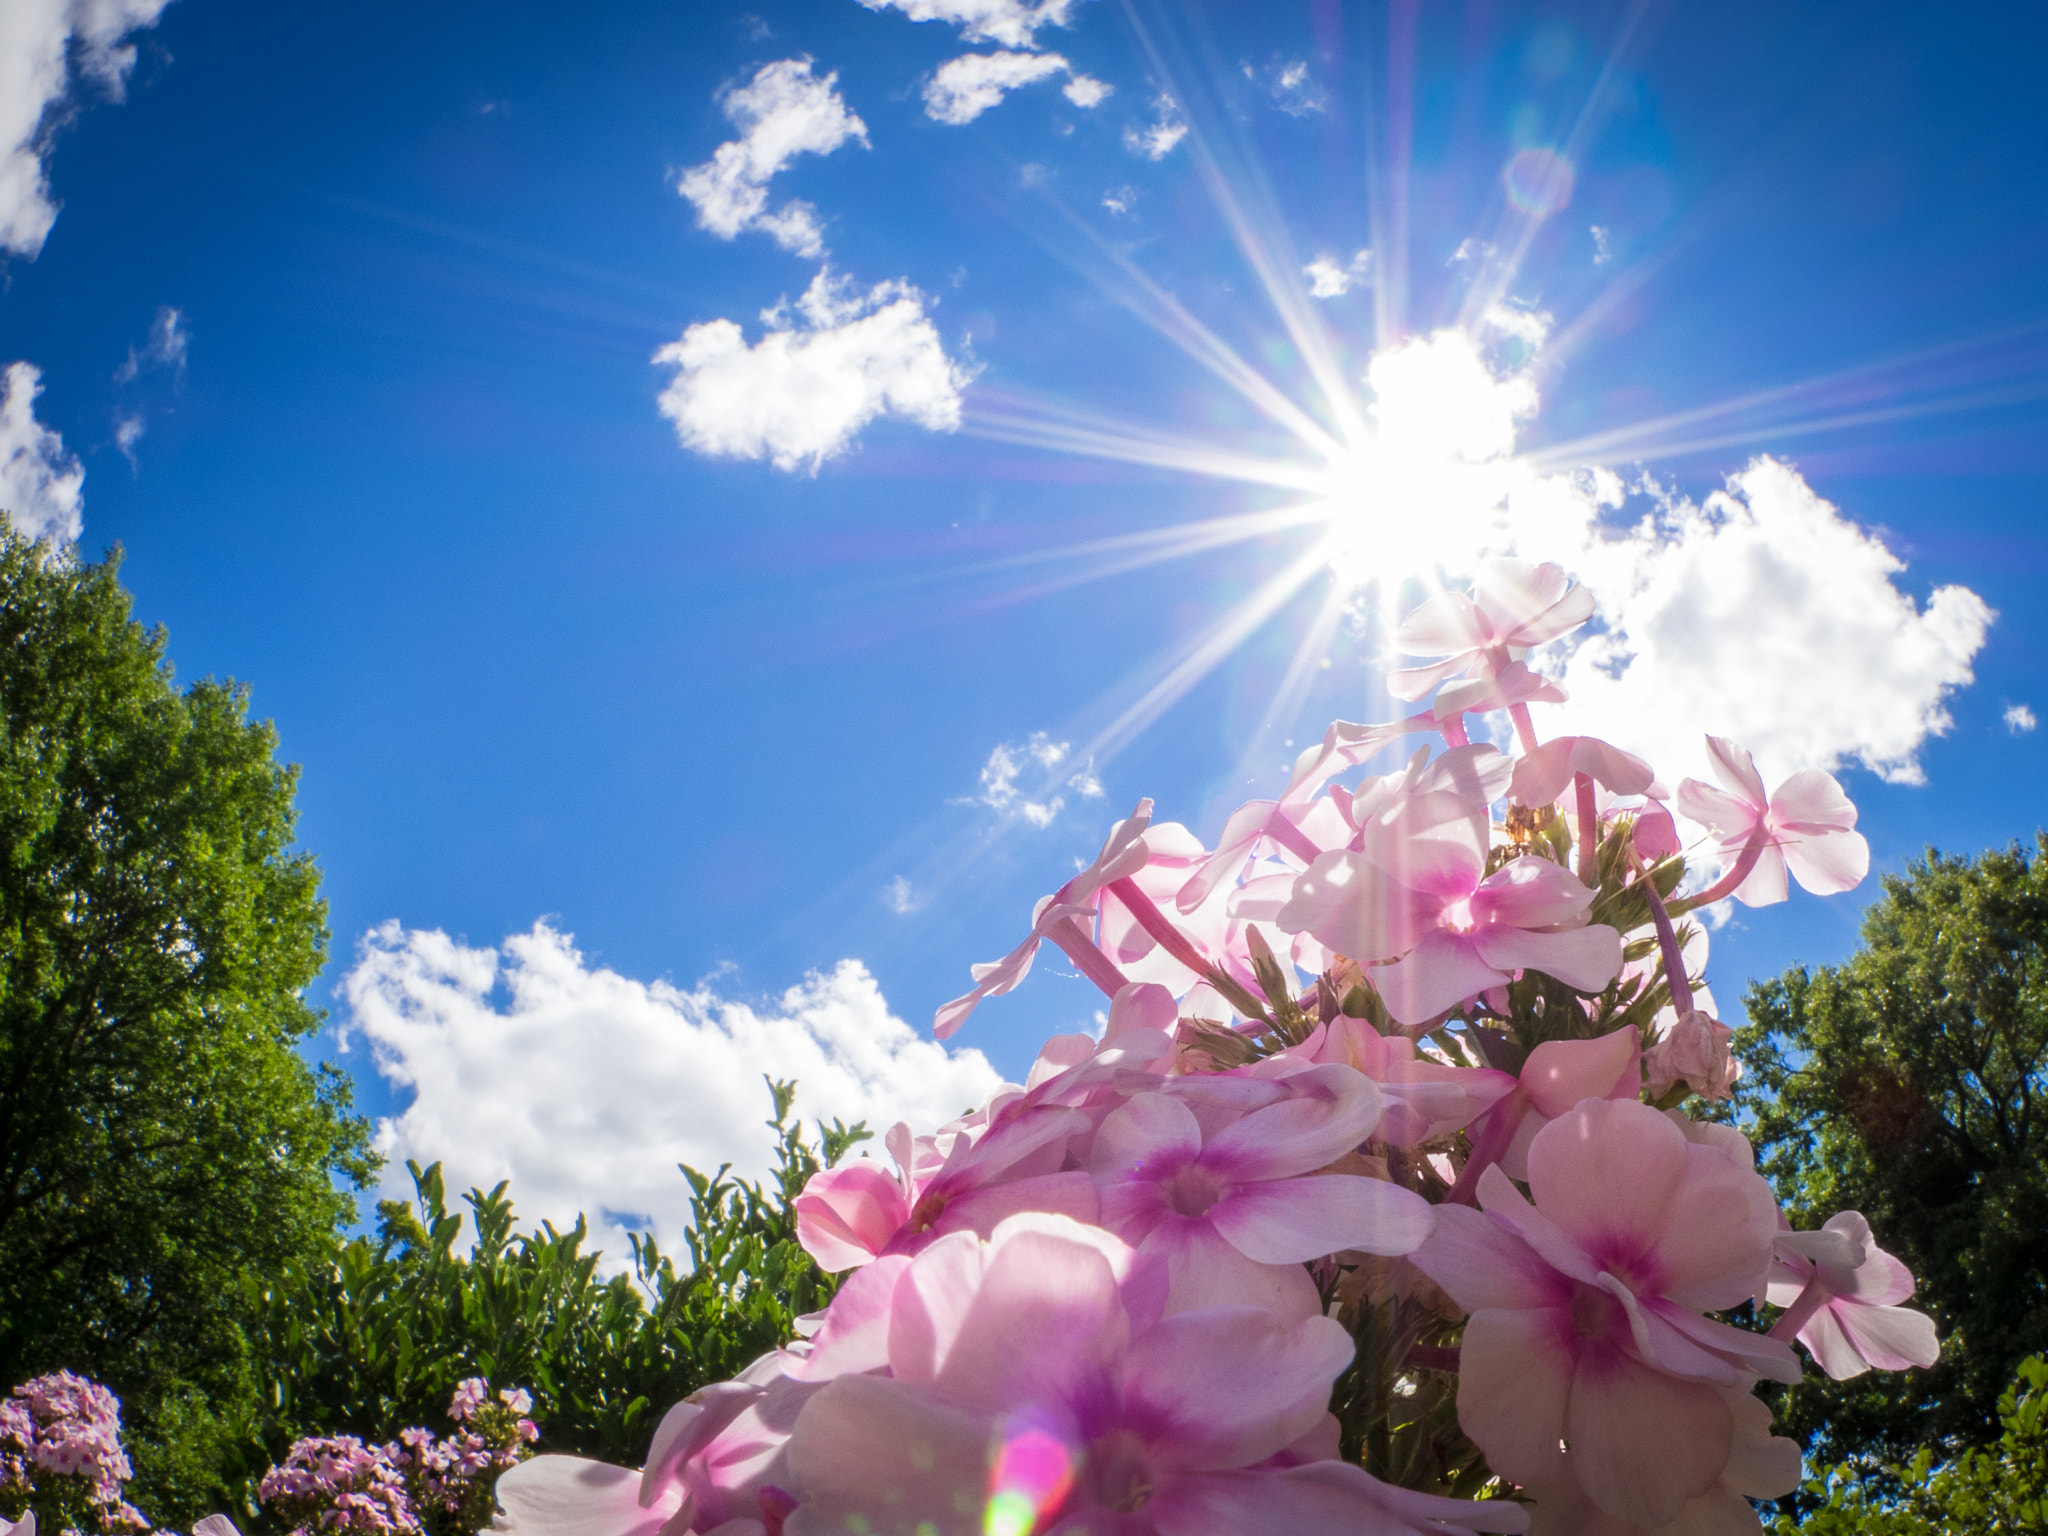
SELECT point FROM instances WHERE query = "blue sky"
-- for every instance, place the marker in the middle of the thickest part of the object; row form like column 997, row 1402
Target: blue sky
column 400, row 461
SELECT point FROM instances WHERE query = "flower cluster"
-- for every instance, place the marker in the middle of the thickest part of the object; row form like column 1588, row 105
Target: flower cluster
column 1388, row 1111
column 60, row 1453
column 419, row 1485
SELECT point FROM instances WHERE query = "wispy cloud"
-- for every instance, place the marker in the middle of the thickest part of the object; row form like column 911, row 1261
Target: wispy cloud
column 39, row 42
column 783, row 112
column 802, row 392
column 585, row 1088
column 1293, row 89
column 41, row 485
column 165, row 348
column 1158, row 139
column 1011, row 23
column 2019, row 719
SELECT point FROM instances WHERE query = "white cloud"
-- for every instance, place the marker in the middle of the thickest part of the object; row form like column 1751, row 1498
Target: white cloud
column 585, row 1088
column 1603, row 245
column 968, row 86
column 1329, row 280
column 38, row 41
column 784, row 111
column 901, row 896
column 1009, row 22
column 166, row 347
column 1120, row 199
column 1086, row 91
column 1289, row 84
column 1008, row 761
column 801, row 393
column 1167, row 129
column 128, row 431
column 1760, row 612
column 40, row 484
column 2019, row 719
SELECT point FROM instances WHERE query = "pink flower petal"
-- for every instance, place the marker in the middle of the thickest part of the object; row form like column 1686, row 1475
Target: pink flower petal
column 1559, row 1073
column 1765, row 884
column 1586, row 958
column 1527, row 604
column 1736, row 770
column 1447, row 622
column 1828, row 864
column 1328, row 1110
column 846, row 1215
column 1047, row 1312
column 1148, row 1130
column 1644, row 1443
column 1531, row 892
column 1357, row 909
column 569, row 1496
column 865, row 1438
column 1290, row 1221
column 1229, row 1386
column 1439, row 973
column 1481, row 1264
column 1609, row 1175
column 1890, row 1338
column 1514, row 1379
column 1812, row 802
column 1326, row 1498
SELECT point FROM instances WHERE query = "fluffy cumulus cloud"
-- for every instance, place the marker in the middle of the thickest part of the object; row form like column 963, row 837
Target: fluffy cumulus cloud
column 2019, row 719
column 40, row 484
column 585, row 1088
column 783, row 112
column 1759, row 612
column 40, row 40
column 1328, row 278
column 802, row 392
column 1008, row 22
column 962, row 89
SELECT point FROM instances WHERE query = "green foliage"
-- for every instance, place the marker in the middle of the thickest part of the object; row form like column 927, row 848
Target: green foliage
column 374, row 1338
column 160, row 1135
column 1912, row 1084
column 1998, row 1490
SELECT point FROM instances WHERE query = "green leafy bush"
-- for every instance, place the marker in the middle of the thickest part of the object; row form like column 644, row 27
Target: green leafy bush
column 1998, row 1490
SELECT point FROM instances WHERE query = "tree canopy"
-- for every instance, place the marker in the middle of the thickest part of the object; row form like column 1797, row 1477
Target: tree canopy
column 1911, row 1083
column 160, row 1134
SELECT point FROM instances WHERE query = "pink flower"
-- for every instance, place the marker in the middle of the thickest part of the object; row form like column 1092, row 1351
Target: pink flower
column 469, row 1396
column 847, row 1216
column 1555, row 1077
column 1841, row 1293
column 1029, row 1389
column 1513, row 606
column 518, row 1399
column 1456, row 930
column 1216, row 1178
column 1424, row 1099
column 1542, row 776
column 1585, row 1323
column 1809, row 824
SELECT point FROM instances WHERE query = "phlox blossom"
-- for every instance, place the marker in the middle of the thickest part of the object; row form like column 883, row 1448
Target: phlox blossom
column 1513, row 606
column 1809, row 825
column 1841, row 1293
column 1585, row 1329
column 1031, row 1387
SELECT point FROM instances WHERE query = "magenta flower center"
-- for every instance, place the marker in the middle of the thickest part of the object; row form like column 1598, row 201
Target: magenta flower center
column 1117, row 1474
column 1193, row 1190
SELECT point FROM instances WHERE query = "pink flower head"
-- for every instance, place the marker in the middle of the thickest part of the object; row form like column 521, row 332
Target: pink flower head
column 1513, row 606
column 1030, row 1390
column 849, row 1215
column 469, row 1396
column 1415, row 893
column 518, row 1399
column 1809, row 825
column 1585, row 1324
column 1217, row 1179
column 1841, row 1293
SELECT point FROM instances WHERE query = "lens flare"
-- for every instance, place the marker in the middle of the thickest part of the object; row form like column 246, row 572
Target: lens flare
column 1032, row 1475
column 1539, row 181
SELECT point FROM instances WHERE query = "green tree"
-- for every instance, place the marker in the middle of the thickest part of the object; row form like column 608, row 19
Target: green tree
column 1911, row 1083
column 160, row 1136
